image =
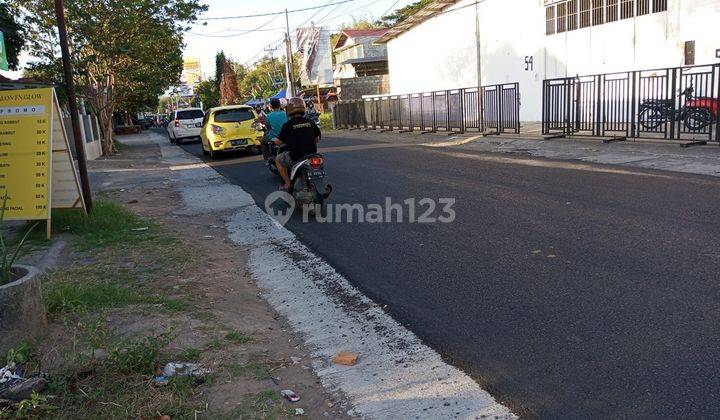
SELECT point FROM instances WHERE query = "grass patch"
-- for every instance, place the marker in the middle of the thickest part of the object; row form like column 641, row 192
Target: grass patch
column 189, row 355
column 112, row 266
column 213, row 344
column 238, row 337
column 326, row 121
column 252, row 369
column 116, row 386
column 71, row 297
column 109, row 224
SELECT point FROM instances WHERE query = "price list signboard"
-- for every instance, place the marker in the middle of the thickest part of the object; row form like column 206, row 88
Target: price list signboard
column 26, row 152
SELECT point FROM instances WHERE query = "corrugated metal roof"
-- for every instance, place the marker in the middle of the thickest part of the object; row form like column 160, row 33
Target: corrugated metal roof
column 430, row 10
column 358, row 33
column 365, row 32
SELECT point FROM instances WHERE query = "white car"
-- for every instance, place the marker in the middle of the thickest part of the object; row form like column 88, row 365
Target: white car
column 186, row 123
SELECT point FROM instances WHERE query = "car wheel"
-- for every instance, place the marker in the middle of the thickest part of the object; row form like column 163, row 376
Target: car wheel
column 178, row 141
column 170, row 137
column 214, row 154
column 202, row 146
column 258, row 150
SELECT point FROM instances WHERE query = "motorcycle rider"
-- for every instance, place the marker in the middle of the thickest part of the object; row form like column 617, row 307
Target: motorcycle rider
column 300, row 136
column 274, row 121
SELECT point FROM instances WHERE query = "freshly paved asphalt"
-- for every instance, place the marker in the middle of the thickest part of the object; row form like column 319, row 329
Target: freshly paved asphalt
column 566, row 292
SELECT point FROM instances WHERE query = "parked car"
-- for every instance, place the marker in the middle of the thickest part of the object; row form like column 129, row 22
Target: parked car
column 186, row 123
column 146, row 122
column 228, row 128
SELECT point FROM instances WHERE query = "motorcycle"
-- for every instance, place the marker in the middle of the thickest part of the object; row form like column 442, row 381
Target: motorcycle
column 309, row 182
column 696, row 113
column 272, row 152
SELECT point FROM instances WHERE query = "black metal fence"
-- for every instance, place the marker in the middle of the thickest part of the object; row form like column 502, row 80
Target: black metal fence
column 673, row 103
column 452, row 111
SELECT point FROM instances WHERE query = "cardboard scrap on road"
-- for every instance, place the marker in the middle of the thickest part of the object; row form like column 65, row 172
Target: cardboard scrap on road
column 346, row 358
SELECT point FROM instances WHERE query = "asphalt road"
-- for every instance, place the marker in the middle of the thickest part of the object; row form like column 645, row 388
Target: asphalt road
column 567, row 290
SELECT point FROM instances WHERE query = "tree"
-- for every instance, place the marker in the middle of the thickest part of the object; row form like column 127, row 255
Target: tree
column 228, row 86
column 208, row 93
column 401, row 14
column 261, row 81
column 127, row 52
column 219, row 65
column 13, row 34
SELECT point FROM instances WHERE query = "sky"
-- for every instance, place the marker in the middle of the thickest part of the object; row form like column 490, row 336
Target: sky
column 246, row 39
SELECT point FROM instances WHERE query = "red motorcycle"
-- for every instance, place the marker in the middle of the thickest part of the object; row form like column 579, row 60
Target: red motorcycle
column 696, row 113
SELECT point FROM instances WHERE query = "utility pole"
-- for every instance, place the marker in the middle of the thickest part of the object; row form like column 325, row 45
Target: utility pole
column 290, row 77
column 72, row 104
column 481, row 99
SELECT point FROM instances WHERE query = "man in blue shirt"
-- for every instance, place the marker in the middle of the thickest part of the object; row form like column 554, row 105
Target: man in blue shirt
column 274, row 121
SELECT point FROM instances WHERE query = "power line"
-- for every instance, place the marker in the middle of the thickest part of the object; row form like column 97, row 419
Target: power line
column 275, row 13
column 389, row 8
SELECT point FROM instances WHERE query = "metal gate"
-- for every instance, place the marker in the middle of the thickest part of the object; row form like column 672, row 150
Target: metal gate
column 673, row 103
column 450, row 111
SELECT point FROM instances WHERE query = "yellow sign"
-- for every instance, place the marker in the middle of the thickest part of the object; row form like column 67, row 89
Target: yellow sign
column 25, row 152
column 36, row 167
column 191, row 74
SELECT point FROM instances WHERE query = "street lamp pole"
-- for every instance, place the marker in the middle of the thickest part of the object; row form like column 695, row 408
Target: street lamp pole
column 72, row 104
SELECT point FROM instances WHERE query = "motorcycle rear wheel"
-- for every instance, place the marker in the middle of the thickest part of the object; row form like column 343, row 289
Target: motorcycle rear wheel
column 697, row 119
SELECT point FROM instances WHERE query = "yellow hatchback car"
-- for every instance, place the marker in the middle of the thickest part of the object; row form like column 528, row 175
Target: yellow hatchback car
column 230, row 128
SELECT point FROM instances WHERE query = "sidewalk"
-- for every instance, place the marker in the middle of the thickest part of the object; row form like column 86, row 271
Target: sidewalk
column 701, row 160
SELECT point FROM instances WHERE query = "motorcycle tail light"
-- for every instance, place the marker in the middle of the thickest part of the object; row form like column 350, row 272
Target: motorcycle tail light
column 316, row 162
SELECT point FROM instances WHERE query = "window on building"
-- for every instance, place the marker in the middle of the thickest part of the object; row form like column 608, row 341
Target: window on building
column 611, row 11
column 659, row 6
column 572, row 15
column 561, row 17
column 550, row 20
column 597, row 12
column 627, row 9
column 689, row 53
column 584, row 13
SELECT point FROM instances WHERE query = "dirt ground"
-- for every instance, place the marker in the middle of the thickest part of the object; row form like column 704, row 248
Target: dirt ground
column 204, row 305
column 225, row 292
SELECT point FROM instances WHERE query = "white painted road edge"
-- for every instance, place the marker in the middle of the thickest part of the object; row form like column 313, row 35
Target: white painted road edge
column 397, row 377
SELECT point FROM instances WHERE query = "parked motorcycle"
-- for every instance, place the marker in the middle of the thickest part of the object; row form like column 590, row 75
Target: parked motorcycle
column 696, row 113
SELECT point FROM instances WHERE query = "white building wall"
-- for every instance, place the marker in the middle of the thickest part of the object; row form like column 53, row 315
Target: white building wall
column 441, row 52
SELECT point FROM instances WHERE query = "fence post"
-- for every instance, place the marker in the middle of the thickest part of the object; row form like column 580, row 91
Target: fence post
column 447, row 110
column 434, row 119
column 499, row 105
column 410, row 113
column 716, row 68
column 673, row 89
column 633, row 105
column 598, row 129
column 517, row 107
column 481, row 119
column 462, row 110
column 391, row 114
